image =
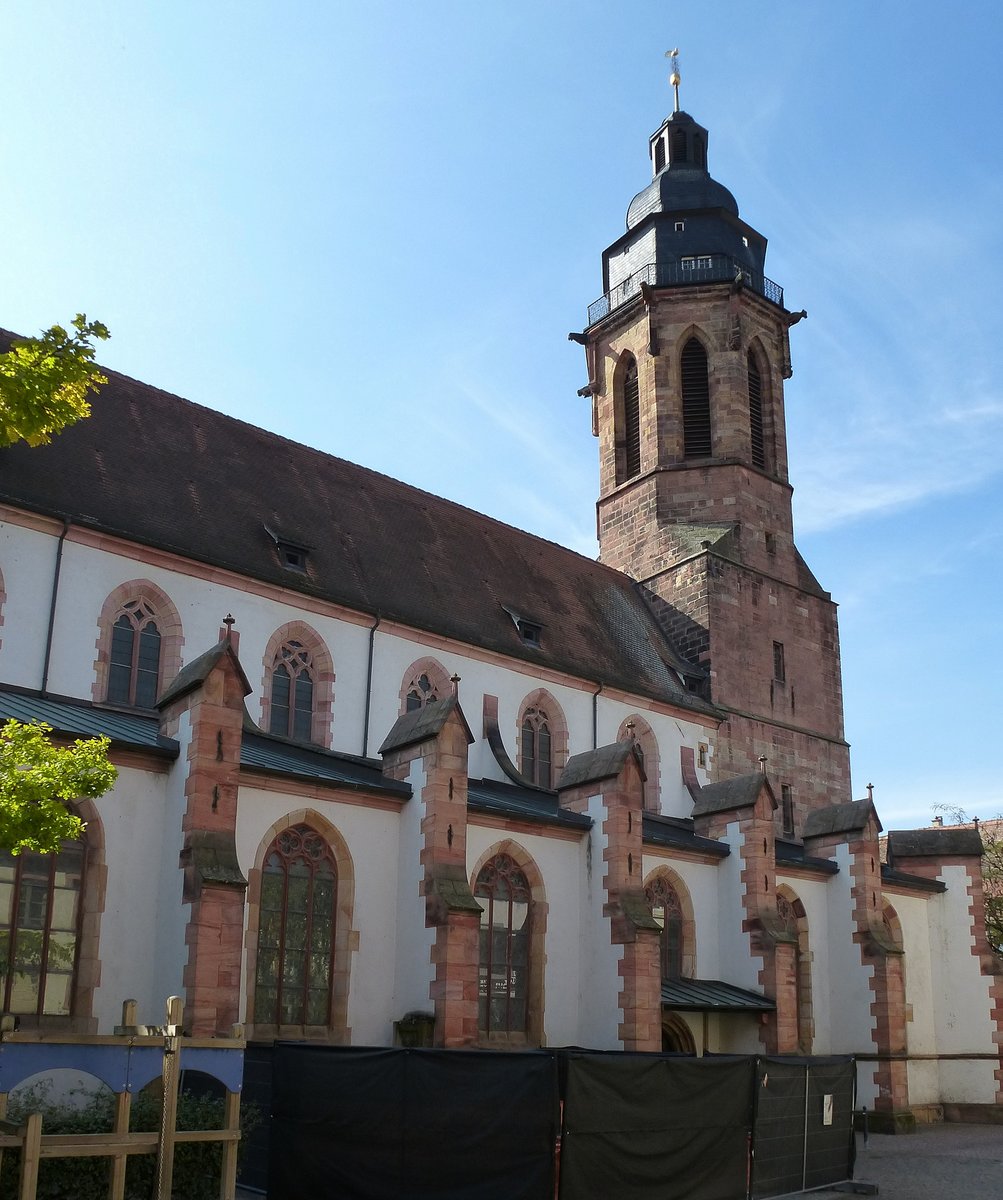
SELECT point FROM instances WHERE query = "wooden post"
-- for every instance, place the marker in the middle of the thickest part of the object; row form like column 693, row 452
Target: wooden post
column 228, row 1172
column 30, row 1150
column 169, row 1116
column 123, row 1106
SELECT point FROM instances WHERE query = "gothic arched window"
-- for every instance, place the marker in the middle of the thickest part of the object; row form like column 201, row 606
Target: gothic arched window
column 536, row 748
column 696, row 400
column 291, row 710
column 503, row 971
column 756, row 431
column 134, row 661
column 667, row 910
column 425, row 680
column 296, row 931
column 40, row 907
column 631, row 461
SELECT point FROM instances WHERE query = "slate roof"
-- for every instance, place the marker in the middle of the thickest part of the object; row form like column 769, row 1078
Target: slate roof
column 918, row 882
column 156, row 469
column 592, row 766
column 198, row 671
column 79, row 719
column 839, row 818
column 791, row 854
column 740, row 792
column 422, row 723
column 677, row 833
column 505, row 800
column 279, row 756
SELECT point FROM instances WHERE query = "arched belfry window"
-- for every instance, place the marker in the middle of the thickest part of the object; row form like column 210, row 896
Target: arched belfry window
column 503, row 891
column 696, row 400
column 629, row 460
column 134, row 662
column 667, row 910
column 296, row 929
column 679, row 146
column 756, row 430
column 291, row 711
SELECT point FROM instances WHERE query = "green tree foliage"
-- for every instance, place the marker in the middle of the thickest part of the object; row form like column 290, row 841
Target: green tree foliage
column 44, row 381
column 38, row 779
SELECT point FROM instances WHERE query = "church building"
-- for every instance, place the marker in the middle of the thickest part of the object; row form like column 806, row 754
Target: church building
column 393, row 772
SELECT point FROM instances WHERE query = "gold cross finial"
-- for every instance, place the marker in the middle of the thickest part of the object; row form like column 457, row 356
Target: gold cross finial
column 674, row 78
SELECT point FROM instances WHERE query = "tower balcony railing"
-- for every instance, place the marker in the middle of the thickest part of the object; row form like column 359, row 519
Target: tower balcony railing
column 703, row 268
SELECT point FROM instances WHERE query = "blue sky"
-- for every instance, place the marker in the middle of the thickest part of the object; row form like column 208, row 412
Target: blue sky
column 371, row 227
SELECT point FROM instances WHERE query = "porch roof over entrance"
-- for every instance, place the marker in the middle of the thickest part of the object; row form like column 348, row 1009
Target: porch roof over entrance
column 711, row 995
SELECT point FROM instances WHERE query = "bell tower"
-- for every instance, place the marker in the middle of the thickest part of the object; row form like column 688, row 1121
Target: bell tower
column 687, row 352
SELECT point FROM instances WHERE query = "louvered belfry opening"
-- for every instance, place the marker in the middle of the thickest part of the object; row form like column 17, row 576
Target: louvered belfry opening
column 756, row 413
column 631, row 424
column 696, row 401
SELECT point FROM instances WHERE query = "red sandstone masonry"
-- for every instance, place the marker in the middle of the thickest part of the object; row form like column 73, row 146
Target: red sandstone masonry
column 214, row 935
column 640, row 1027
column 443, row 854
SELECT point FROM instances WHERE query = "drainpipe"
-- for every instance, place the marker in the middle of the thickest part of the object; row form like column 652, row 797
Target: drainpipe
column 369, row 687
column 595, row 717
column 52, row 605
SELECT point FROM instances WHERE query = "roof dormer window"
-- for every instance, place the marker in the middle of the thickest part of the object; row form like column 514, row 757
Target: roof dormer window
column 530, row 632
column 293, row 555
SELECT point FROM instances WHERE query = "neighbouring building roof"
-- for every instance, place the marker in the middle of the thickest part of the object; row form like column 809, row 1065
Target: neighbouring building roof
column 78, row 719
column 711, row 995
column 371, row 543
column 934, row 843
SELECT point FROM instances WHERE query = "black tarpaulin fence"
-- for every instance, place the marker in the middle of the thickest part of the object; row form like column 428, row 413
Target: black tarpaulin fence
column 401, row 1124
column 637, row 1126
column 803, row 1124
column 411, row 1124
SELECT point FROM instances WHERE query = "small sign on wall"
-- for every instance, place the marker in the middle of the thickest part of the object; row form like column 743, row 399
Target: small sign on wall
column 827, row 1107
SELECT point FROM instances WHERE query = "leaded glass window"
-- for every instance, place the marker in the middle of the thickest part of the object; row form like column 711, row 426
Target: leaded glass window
column 503, row 978
column 296, row 931
column 291, row 712
column 668, row 912
column 536, row 747
column 134, row 664
column 420, row 692
column 39, row 930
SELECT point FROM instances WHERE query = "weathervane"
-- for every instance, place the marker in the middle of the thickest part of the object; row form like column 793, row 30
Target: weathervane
column 674, row 78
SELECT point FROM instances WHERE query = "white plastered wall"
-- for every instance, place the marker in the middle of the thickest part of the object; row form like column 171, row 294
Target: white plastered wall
column 413, row 952
column 921, row 1031
column 961, row 996
column 141, row 940
column 27, row 560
